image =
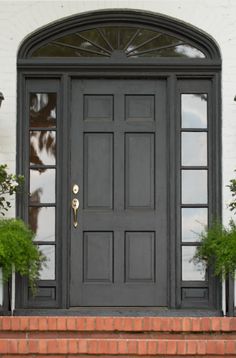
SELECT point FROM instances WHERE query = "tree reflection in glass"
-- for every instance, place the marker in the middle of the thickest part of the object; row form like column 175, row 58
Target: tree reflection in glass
column 42, row 222
column 42, row 185
column 42, row 147
column 43, row 110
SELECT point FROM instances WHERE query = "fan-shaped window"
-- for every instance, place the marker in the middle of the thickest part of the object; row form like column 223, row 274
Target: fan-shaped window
column 129, row 42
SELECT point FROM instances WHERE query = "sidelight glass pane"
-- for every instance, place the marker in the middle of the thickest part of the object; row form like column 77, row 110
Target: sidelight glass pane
column 194, row 186
column 42, row 222
column 194, row 148
column 190, row 270
column 194, row 110
column 43, row 110
column 194, row 220
column 48, row 271
column 42, row 185
column 42, row 148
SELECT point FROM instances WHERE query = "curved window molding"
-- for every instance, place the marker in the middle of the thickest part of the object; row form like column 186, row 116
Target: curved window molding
column 119, row 34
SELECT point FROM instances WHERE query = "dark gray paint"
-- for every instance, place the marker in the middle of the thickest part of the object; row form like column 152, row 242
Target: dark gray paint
column 119, row 250
column 45, row 71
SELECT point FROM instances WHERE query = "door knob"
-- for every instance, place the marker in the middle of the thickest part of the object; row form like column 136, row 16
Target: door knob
column 75, row 208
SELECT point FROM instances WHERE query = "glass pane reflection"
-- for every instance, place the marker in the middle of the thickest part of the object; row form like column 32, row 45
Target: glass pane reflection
column 194, row 220
column 42, row 147
column 42, row 185
column 194, row 148
column 43, row 110
column 42, row 222
column 194, row 110
column 194, row 186
column 48, row 271
column 190, row 270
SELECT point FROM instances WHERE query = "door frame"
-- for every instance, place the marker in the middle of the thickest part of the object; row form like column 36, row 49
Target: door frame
column 172, row 71
column 174, row 299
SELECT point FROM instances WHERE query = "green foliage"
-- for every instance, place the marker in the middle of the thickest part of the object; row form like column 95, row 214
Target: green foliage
column 17, row 248
column 232, row 186
column 9, row 185
column 218, row 249
column 218, row 243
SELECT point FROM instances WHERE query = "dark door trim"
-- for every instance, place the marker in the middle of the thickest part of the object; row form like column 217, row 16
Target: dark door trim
column 170, row 69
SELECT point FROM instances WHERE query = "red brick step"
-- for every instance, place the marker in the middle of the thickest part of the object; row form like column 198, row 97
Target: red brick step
column 117, row 336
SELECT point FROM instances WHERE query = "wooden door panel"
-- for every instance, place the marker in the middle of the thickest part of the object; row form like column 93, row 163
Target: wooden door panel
column 139, row 171
column 98, row 171
column 119, row 250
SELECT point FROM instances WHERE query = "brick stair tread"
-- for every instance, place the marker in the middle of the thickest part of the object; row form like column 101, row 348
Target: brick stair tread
column 119, row 324
column 118, row 346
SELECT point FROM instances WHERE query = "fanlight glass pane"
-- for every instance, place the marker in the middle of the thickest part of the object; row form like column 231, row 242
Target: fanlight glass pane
column 110, row 41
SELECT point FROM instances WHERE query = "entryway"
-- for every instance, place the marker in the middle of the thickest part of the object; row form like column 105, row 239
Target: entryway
column 119, row 143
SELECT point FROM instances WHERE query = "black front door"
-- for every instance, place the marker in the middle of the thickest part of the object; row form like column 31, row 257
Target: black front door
column 118, row 159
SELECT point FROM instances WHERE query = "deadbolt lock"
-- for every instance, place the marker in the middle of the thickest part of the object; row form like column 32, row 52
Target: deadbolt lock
column 75, row 189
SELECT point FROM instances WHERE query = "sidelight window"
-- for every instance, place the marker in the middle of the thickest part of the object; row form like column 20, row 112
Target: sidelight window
column 42, row 176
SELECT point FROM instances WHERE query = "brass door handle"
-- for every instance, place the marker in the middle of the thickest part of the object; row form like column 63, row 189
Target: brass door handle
column 75, row 208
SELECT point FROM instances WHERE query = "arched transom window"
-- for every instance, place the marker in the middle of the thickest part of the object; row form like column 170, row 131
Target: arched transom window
column 109, row 41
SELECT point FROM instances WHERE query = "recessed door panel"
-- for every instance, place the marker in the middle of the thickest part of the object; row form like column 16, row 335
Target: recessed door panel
column 140, row 171
column 98, row 171
column 118, row 156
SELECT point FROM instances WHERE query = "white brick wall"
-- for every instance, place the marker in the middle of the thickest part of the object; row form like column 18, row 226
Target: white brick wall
column 216, row 17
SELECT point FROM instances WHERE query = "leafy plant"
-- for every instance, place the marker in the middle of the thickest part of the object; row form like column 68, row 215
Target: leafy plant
column 17, row 248
column 232, row 187
column 218, row 248
column 218, row 243
column 9, row 185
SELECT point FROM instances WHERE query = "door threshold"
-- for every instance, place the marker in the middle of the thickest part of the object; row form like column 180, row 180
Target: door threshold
column 122, row 311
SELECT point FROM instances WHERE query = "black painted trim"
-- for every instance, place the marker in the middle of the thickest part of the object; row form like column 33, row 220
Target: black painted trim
column 170, row 69
column 121, row 17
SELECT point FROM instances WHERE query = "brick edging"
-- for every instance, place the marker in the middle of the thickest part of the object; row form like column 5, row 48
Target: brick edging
column 131, row 324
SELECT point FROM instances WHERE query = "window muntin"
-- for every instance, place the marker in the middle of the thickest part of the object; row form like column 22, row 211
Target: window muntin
column 112, row 41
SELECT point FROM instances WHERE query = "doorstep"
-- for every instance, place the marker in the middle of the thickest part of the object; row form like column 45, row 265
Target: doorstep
column 109, row 336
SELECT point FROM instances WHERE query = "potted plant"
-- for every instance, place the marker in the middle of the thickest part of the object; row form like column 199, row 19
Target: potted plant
column 18, row 253
column 218, row 243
